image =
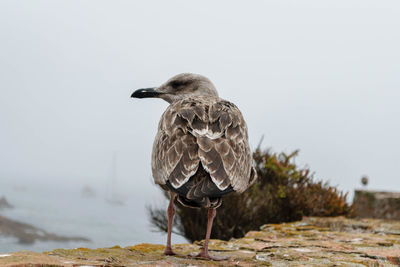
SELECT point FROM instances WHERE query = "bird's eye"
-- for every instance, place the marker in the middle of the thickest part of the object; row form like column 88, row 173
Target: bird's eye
column 176, row 84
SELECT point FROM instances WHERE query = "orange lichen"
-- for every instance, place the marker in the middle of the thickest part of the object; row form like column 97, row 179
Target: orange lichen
column 340, row 241
column 145, row 247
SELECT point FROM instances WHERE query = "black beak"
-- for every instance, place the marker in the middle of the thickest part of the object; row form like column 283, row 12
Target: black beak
column 146, row 92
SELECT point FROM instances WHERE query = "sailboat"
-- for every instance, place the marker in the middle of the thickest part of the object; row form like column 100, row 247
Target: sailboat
column 112, row 196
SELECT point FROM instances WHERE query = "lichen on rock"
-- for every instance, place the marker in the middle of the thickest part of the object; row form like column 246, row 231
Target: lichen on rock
column 313, row 241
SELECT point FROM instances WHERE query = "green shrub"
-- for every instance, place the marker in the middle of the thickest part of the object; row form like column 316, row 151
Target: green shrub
column 283, row 193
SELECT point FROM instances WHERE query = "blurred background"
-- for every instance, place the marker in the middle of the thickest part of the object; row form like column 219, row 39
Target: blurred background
column 318, row 76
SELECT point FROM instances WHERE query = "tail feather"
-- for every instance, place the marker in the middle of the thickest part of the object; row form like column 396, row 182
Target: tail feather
column 200, row 191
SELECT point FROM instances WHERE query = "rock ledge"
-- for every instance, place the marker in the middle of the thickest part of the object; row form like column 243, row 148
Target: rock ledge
column 310, row 242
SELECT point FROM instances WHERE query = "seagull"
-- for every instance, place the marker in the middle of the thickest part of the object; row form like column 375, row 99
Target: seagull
column 201, row 150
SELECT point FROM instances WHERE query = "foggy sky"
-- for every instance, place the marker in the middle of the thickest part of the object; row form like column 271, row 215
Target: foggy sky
column 319, row 76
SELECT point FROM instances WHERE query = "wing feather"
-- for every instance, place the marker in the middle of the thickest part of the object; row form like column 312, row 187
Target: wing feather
column 209, row 131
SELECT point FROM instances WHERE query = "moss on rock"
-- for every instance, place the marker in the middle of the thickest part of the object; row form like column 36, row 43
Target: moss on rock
column 311, row 242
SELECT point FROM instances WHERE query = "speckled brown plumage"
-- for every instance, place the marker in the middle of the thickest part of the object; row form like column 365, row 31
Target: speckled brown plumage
column 202, row 131
column 201, row 150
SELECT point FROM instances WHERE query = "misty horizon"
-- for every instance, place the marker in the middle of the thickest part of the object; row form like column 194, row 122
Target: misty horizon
column 321, row 77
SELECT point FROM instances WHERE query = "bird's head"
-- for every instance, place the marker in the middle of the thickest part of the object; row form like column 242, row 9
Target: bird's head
column 179, row 87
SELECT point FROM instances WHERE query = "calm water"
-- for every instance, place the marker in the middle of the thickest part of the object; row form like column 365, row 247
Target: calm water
column 64, row 211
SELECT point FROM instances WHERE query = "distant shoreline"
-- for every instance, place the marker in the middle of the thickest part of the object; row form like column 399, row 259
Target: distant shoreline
column 29, row 234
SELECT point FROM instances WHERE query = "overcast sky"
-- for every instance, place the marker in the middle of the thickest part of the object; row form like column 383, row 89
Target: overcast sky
column 319, row 76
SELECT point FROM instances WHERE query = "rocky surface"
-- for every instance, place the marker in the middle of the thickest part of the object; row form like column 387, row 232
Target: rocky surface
column 376, row 204
column 311, row 242
column 4, row 204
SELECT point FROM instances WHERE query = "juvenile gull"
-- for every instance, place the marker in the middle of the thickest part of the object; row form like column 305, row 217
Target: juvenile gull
column 201, row 150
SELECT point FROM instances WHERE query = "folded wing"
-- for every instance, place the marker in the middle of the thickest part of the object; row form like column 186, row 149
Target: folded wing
column 207, row 131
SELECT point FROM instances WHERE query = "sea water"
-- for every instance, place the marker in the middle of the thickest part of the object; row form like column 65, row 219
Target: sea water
column 66, row 212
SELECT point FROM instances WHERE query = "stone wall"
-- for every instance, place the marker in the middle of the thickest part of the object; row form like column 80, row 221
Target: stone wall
column 311, row 242
column 375, row 204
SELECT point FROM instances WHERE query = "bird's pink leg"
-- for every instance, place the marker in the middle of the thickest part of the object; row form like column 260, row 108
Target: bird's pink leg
column 171, row 212
column 204, row 250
